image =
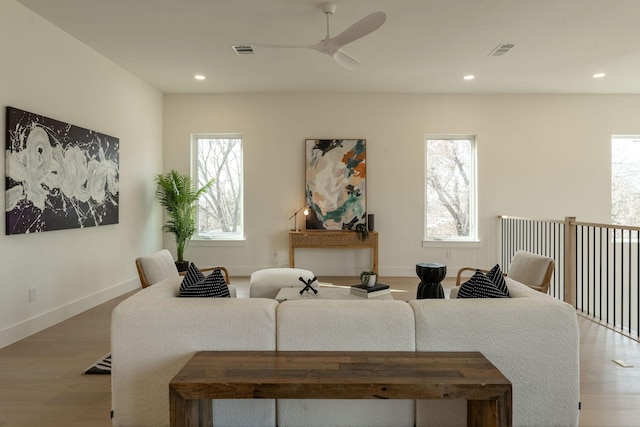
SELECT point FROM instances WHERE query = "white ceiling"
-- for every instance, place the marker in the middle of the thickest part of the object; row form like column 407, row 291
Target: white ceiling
column 425, row 46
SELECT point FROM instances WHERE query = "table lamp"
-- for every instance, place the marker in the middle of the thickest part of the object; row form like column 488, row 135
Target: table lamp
column 295, row 216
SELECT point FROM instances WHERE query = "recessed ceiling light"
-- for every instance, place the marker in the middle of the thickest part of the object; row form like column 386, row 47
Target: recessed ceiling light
column 469, row 77
column 599, row 75
column 199, row 77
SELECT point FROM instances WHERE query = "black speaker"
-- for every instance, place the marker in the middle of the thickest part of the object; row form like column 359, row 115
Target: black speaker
column 370, row 222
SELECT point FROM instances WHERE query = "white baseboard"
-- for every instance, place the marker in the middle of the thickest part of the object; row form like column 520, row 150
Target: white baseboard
column 42, row 321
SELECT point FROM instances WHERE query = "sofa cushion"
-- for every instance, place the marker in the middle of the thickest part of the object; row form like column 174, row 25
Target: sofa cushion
column 195, row 284
column 480, row 286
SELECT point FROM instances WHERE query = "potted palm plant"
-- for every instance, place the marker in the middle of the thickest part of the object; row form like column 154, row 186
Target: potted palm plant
column 176, row 194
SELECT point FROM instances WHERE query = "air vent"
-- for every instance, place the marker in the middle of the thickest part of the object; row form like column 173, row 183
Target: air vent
column 501, row 49
column 242, row 49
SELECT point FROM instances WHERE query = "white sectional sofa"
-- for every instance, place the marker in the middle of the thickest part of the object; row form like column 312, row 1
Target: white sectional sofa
column 532, row 338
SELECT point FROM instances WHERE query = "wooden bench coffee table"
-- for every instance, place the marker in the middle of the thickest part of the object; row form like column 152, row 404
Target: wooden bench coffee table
column 339, row 375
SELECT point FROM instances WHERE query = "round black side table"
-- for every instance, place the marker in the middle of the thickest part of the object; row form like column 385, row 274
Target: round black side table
column 430, row 274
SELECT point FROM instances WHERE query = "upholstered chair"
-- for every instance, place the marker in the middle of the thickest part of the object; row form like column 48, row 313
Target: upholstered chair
column 532, row 269
column 527, row 268
column 160, row 265
column 156, row 267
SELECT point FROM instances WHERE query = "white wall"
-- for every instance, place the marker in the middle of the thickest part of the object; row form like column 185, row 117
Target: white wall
column 45, row 71
column 541, row 156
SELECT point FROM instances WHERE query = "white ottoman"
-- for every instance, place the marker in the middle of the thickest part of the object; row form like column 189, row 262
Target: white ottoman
column 268, row 282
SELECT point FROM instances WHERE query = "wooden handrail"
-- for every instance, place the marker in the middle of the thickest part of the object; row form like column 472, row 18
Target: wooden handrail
column 553, row 221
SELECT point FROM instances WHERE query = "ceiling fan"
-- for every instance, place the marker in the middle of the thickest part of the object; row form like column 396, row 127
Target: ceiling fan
column 332, row 46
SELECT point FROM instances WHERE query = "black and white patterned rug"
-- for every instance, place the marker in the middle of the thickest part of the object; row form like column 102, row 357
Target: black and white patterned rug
column 101, row 367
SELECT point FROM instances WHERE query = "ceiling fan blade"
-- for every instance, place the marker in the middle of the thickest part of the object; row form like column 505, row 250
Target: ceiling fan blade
column 365, row 26
column 332, row 45
column 346, row 60
column 280, row 45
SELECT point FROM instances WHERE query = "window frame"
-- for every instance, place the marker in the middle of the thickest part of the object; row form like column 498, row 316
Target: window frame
column 473, row 190
column 226, row 240
column 627, row 137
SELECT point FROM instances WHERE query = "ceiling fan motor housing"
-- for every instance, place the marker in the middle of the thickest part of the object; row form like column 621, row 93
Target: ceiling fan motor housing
column 328, row 7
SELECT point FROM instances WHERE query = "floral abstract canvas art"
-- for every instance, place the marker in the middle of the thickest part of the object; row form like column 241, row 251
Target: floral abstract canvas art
column 336, row 172
column 58, row 176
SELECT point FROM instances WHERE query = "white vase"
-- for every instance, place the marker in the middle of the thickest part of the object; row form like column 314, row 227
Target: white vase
column 372, row 281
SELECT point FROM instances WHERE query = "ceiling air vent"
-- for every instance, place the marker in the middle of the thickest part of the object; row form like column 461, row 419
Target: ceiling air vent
column 242, row 49
column 501, row 49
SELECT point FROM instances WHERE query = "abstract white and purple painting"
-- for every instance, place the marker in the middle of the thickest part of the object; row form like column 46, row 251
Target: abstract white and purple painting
column 58, row 176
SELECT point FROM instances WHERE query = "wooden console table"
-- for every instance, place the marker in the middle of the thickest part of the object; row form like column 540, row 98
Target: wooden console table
column 340, row 375
column 332, row 240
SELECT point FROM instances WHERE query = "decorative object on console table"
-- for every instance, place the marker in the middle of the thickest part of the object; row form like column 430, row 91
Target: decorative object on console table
column 335, row 187
column 430, row 274
column 332, row 240
column 176, row 194
column 370, row 292
column 58, row 176
column 370, row 222
column 363, row 232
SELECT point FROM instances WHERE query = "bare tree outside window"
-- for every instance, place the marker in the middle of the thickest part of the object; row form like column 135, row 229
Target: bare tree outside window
column 450, row 188
column 625, row 180
column 220, row 208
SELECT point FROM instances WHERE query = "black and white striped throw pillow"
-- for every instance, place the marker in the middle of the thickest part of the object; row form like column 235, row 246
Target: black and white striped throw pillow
column 192, row 276
column 495, row 275
column 480, row 286
column 195, row 284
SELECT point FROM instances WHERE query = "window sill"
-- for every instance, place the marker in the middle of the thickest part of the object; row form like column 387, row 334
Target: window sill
column 451, row 243
column 217, row 242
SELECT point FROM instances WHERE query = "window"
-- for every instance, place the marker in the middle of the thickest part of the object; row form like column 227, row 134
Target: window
column 450, row 201
column 220, row 215
column 625, row 180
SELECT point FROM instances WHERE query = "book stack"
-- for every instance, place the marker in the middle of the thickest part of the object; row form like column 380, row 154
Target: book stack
column 374, row 291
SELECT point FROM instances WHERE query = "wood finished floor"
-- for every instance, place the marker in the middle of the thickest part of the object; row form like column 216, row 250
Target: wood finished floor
column 41, row 382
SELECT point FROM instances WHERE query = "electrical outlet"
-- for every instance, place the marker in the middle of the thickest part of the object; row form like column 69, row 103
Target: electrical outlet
column 32, row 294
column 448, row 254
